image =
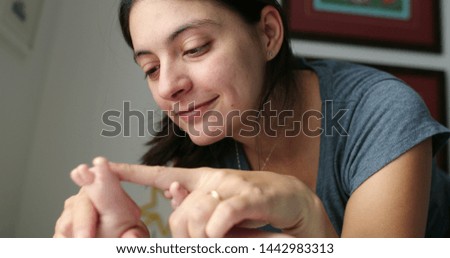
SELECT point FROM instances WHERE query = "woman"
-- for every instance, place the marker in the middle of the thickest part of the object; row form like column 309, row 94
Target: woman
column 350, row 148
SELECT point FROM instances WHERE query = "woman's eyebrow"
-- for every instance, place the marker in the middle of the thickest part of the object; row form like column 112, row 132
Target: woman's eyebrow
column 188, row 26
column 140, row 53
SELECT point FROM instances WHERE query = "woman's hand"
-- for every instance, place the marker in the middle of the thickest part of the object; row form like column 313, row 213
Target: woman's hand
column 101, row 208
column 78, row 219
column 216, row 202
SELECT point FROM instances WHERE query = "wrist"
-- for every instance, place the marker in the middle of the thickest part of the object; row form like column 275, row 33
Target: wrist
column 313, row 222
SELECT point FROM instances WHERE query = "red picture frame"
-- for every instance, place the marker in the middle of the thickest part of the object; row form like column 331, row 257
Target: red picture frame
column 421, row 31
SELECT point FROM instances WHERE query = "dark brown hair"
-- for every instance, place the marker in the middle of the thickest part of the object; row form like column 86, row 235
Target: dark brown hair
column 174, row 145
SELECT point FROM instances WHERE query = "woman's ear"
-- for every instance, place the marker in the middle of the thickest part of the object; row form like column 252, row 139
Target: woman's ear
column 271, row 26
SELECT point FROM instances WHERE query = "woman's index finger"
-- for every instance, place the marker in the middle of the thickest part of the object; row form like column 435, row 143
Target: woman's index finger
column 156, row 176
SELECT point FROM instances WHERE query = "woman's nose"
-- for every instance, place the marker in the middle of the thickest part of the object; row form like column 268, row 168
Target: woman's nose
column 173, row 83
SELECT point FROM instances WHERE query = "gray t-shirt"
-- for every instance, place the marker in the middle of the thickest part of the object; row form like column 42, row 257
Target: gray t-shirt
column 370, row 119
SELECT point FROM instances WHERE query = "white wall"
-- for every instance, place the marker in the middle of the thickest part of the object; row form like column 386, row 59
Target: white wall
column 90, row 71
column 21, row 86
column 57, row 110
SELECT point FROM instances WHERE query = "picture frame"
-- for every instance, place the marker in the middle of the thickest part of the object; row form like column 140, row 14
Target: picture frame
column 410, row 25
column 19, row 20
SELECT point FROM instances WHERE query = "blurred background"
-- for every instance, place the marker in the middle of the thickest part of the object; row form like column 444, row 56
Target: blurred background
column 62, row 67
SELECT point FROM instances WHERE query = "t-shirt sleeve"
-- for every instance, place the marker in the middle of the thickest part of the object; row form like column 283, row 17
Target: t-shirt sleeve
column 389, row 119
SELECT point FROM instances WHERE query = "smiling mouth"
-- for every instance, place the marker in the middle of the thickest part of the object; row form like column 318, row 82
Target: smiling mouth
column 195, row 110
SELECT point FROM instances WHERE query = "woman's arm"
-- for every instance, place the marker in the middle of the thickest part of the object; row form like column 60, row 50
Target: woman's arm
column 394, row 201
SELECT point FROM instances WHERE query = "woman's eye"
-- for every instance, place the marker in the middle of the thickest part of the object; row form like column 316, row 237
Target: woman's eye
column 194, row 52
column 152, row 73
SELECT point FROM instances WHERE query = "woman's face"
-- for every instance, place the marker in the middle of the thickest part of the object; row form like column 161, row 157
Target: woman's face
column 204, row 64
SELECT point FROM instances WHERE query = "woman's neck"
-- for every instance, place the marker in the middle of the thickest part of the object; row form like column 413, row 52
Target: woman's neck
column 287, row 135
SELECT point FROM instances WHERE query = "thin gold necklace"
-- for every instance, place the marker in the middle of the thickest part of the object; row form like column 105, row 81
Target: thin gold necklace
column 238, row 160
column 268, row 157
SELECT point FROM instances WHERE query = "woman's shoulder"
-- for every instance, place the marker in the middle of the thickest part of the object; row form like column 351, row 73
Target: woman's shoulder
column 345, row 81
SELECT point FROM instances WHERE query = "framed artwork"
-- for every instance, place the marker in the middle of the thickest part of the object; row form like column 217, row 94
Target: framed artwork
column 18, row 22
column 403, row 24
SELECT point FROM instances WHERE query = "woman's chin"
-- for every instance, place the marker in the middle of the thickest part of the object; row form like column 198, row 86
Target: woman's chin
column 201, row 134
column 204, row 140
